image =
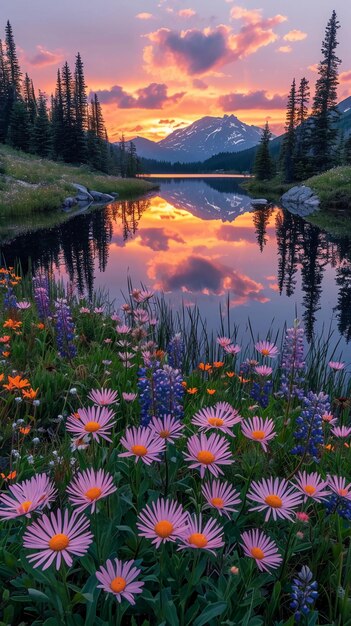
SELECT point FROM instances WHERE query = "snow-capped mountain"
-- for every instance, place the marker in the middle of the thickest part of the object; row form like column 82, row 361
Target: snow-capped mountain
column 201, row 140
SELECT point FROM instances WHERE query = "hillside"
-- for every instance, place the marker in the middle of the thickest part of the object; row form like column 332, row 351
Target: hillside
column 30, row 184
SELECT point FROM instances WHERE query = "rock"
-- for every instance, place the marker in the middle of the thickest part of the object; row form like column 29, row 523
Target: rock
column 69, row 202
column 83, row 192
column 258, row 201
column 115, row 194
column 81, row 197
column 300, row 200
column 98, row 196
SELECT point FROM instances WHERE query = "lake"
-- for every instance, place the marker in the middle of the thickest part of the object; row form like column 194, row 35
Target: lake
column 199, row 239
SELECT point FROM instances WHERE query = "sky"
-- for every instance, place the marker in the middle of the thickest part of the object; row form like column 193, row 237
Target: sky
column 158, row 65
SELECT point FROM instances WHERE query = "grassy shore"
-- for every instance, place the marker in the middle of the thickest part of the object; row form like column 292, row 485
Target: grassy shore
column 30, row 185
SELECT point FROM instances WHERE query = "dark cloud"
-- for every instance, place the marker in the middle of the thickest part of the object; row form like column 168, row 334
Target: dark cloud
column 199, row 84
column 44, row 57
column 154, row 96
column 158, row 238
column 251, row 100
column 166, row 121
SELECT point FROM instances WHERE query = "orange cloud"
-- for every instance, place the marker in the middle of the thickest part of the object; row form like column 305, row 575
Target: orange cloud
column 144, row 16
column 154, row 96
column 313, row 68
column 44, row 57
column 295, row 35
column 186, row 13
column 284, row 49
column 251, row 100
column 345, row 77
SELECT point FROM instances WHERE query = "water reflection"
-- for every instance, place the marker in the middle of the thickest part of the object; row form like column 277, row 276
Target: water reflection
column 268, row 259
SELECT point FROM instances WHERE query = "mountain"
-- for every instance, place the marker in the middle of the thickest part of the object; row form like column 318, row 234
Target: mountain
column 201, row 140
column 345, row 105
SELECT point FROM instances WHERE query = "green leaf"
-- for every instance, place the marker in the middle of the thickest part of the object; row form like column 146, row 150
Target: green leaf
column 38, row 595
column 212, row 611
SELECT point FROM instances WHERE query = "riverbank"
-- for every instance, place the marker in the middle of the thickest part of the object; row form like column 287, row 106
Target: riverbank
column 30, row 185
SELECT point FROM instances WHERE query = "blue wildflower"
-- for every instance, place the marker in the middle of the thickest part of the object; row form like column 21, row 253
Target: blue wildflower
column 309, row 431
column 303, row 593
column 65, row 330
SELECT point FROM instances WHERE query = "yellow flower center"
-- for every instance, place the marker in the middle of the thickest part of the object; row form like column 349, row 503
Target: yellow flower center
column 59, row 542
column 274, row 501
column 25, row 506
column 91, row 427
column 343, row 492
column 258, row 434
column 164, row 434
column 139, row 450
column 257, row 553
column 198, row 539
column 215, row 421
column 163, row 528
column 205, row 457
column 310, row 490
column 265, row 352
column 93, row 493
column 218, row 502
column 118, row 584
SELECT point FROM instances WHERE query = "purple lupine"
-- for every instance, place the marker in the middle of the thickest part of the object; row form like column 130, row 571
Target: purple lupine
column 309, row 434
column 303, row 593
column 41, row 295
column 160, row 393
column 175, row 351
column 64, row 329
column 293, row 364
column 10, row 300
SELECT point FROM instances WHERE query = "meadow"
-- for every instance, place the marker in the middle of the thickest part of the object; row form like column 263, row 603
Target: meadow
column 154, row 474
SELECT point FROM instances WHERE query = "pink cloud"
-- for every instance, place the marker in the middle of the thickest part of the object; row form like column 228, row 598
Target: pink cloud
column 345, row 77
column 252, row 100
column 154, row 96
column 295, row 35
column 44, row 57
column 197, row 51
column 313, row 68
column 186, row 13
column 199, row 84
column 284, row 49
column 144, row 16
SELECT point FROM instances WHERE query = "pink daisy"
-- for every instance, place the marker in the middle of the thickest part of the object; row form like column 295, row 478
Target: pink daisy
column 278, row 498
column 204, row 537
column 222, row 416
column 263, row 370
column 341, row 431
column 312, row 486
column 88, row 487
column 117, row 577
column 338, row 485
column 56, row 538
column 28, row 496
column 232, row 349
column 23, row 304
column 221, row 496
column 142, row 444
column 208, row 453
column 129, row 397
column 258, row 546
column 94, row 421
column 167, row 427
column 336, row 365
column 103, row 397
column 258, row 429
column 329, row 418
column 266, row 348
column 163, row 521
column 223, row 341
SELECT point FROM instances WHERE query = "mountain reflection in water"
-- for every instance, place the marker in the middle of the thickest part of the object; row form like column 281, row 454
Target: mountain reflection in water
column 199, row 240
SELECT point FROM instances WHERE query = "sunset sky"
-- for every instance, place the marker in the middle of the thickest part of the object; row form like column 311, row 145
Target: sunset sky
column 159, row 65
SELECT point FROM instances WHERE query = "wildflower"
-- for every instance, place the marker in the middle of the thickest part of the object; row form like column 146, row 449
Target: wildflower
column 160, row 394
column 208, row 453
column 341, row 431
column 64, row 330
column 302, row 517
column 142, row 444
column 129, row 397
column 95, row 421
column 211, row 392
column 117, row 577
column 13, row 324
column 303, row 593
column 84, row 310
column 223, row 341
column 220, row 496
column 336, row 366
column 57, row 538
column 88, row 487
column 234, row 570
column 40, row 326
column 167, row 427
column 230, row 374
column 41, row 296
column 258, row 429
column 23, row 305
column 163, row 521
column 329, row 418
column 217, row 364
column 309, row 432
column 25, row 430
column 267, row 349
column 103, row 397
column 175, row 351
column 263, row 550
column 338, row 485
column 31, row 394
column 192, row 390
column 123, row 329
column 263, row 370
column 10, row 476
column 80, row 443
column 277, row 497
column 293, row 364
column 200, row 536
column 222, row 416
column 312, row 486
column 261, row 391
column 16, row 382
column 232, row 349
column 26, row 497
column 5, row 339
column 205, row 367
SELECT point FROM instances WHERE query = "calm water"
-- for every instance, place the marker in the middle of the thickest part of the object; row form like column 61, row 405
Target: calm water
column 198, row 239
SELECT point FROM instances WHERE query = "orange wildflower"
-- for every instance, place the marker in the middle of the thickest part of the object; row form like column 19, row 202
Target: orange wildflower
column 6, row 354
column 230, row 374
column 192, row 390
column 31, row 394
column 41, row 326
column 13, row 324
column 25, row 430
column 205, row 367
column 16, row 382
column 243, row 380
column 184, row 383
column 10, row 476
column 160, row 354
column 1, row 377
column 329, row 447
column 211, row 391
column 5, row 339
column 218, row 364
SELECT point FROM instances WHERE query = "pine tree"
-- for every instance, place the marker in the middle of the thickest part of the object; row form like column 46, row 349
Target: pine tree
column 41, row 136
column 122, row 157
column 4, row 95
column 12, row 63
column 325, row 101
column 57, row 120
column 69, row 135
column 263, row 166
column 97, row 146
column 30, row 99
column 132, row 161
column 81, row 105
column 301, row 157
column 347, row 151
column 18, row 134
column 288, row 146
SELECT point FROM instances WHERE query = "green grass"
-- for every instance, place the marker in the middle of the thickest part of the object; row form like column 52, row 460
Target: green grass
column 30, row 184
column 271, row 189
column 333, row 188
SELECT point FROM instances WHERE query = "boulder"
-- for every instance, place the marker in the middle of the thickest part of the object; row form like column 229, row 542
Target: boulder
column 83, row 192
column 81, row 197
column 98, row 196
column 300, row 200
column 255, row 201
column 69, row 202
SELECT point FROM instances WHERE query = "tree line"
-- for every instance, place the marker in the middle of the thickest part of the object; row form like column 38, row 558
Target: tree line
column 68, row 127
column 312, row 142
